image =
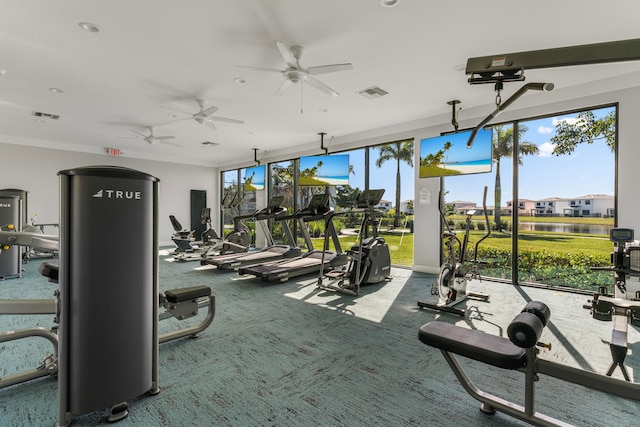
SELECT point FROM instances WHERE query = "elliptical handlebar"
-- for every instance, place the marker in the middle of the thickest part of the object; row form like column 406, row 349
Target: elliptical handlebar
column 487, row 225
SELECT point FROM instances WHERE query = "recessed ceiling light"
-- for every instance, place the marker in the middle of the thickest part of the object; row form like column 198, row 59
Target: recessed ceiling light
column 55, row 90
column 388, row 3
column 171, row 115
column 240, row 80
column 3, row 71
column 459, row 67
column 88, row 26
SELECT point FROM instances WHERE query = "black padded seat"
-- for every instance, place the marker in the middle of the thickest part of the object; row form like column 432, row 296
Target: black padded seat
column 49, row 270
column 186, row 294
column 478, row 345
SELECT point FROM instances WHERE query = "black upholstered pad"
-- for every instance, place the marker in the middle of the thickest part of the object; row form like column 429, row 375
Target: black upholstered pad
column 49, row 270
column 474, row 344
column 186, row 294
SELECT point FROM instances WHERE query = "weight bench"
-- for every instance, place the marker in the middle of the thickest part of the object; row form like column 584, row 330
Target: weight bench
column 518, row 352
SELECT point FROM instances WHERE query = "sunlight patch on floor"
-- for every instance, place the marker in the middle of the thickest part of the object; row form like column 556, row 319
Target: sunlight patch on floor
column 373, row 302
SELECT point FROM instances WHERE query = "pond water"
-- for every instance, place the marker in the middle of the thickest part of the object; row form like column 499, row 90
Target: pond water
column 565, row 228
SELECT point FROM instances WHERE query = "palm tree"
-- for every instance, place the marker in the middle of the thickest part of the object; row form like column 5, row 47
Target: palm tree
column 503, row 147
column 400, row 151
column 446, row 148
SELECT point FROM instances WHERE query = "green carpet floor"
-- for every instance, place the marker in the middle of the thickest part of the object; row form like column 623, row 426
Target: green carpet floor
column 289, row 354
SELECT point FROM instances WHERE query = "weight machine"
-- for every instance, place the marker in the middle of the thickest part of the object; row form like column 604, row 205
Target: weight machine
column 622, row 306
column 114, row 352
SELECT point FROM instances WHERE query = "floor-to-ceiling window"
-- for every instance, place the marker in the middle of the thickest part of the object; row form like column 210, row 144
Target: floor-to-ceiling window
column 281, row 183
column 230, row 189
column 391, row 169
column 342, row 175
column 563, row 203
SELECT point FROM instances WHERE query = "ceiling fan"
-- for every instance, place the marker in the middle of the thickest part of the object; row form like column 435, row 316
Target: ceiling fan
column 206, row 115
column 209, row 143
column 152, row 139
column 295, row 73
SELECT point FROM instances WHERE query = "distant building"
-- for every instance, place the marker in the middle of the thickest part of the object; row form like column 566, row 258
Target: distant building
column 384, row 205
column 591, row 205
column 552, row 206
column 525, row 207
column 406, row 207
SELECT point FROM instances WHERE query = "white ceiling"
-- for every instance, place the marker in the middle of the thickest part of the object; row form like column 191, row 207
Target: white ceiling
column 154, row 55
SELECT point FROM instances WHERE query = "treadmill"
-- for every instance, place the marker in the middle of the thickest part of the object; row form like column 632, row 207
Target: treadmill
column 309, row 262
column 271, row 252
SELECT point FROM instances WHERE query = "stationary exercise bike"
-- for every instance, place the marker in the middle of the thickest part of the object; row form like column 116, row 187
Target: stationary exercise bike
column 451, row 285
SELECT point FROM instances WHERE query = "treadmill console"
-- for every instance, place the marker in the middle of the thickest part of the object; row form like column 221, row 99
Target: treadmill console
column 316, row 205
column 369, row 198
column 621, row 235
column 273, row 207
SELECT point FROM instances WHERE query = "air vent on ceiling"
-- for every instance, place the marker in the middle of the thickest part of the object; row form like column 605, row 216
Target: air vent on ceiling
column 373, row 92
column 45, row 115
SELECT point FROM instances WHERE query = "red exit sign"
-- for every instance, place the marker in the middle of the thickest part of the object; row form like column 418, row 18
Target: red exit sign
column 114, row 151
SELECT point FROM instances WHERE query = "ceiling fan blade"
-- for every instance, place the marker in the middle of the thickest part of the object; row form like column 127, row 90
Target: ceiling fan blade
column 139, row 134
column 211, row 125
column 284, row 86
column 286, row 54
column 209, row 111
column 322, row 87
column 224, row 119
column 270, row 70
column 163, row 138
column 324, row 69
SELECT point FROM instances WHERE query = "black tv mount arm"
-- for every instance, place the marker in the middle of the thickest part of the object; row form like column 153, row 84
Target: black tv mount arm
column 322, row 147
column 511, row 66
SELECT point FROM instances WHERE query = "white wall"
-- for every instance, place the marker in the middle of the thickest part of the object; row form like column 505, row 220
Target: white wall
column 35, row 170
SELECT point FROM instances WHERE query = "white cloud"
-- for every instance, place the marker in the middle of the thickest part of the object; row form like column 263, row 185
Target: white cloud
column 545, row 130
column 546, row 149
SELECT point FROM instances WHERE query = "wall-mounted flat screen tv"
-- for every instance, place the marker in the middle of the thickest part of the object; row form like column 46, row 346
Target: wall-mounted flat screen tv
column 448, row 155
column 324, row 170
column 254, row 178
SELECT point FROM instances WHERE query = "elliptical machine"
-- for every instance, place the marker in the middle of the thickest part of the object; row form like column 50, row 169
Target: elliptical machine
column 369, row 259
column 239, row 239
column 451, row 285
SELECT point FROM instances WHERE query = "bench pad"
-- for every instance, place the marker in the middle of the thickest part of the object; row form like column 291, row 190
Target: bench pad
column 493, row 350
column 186, row 294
